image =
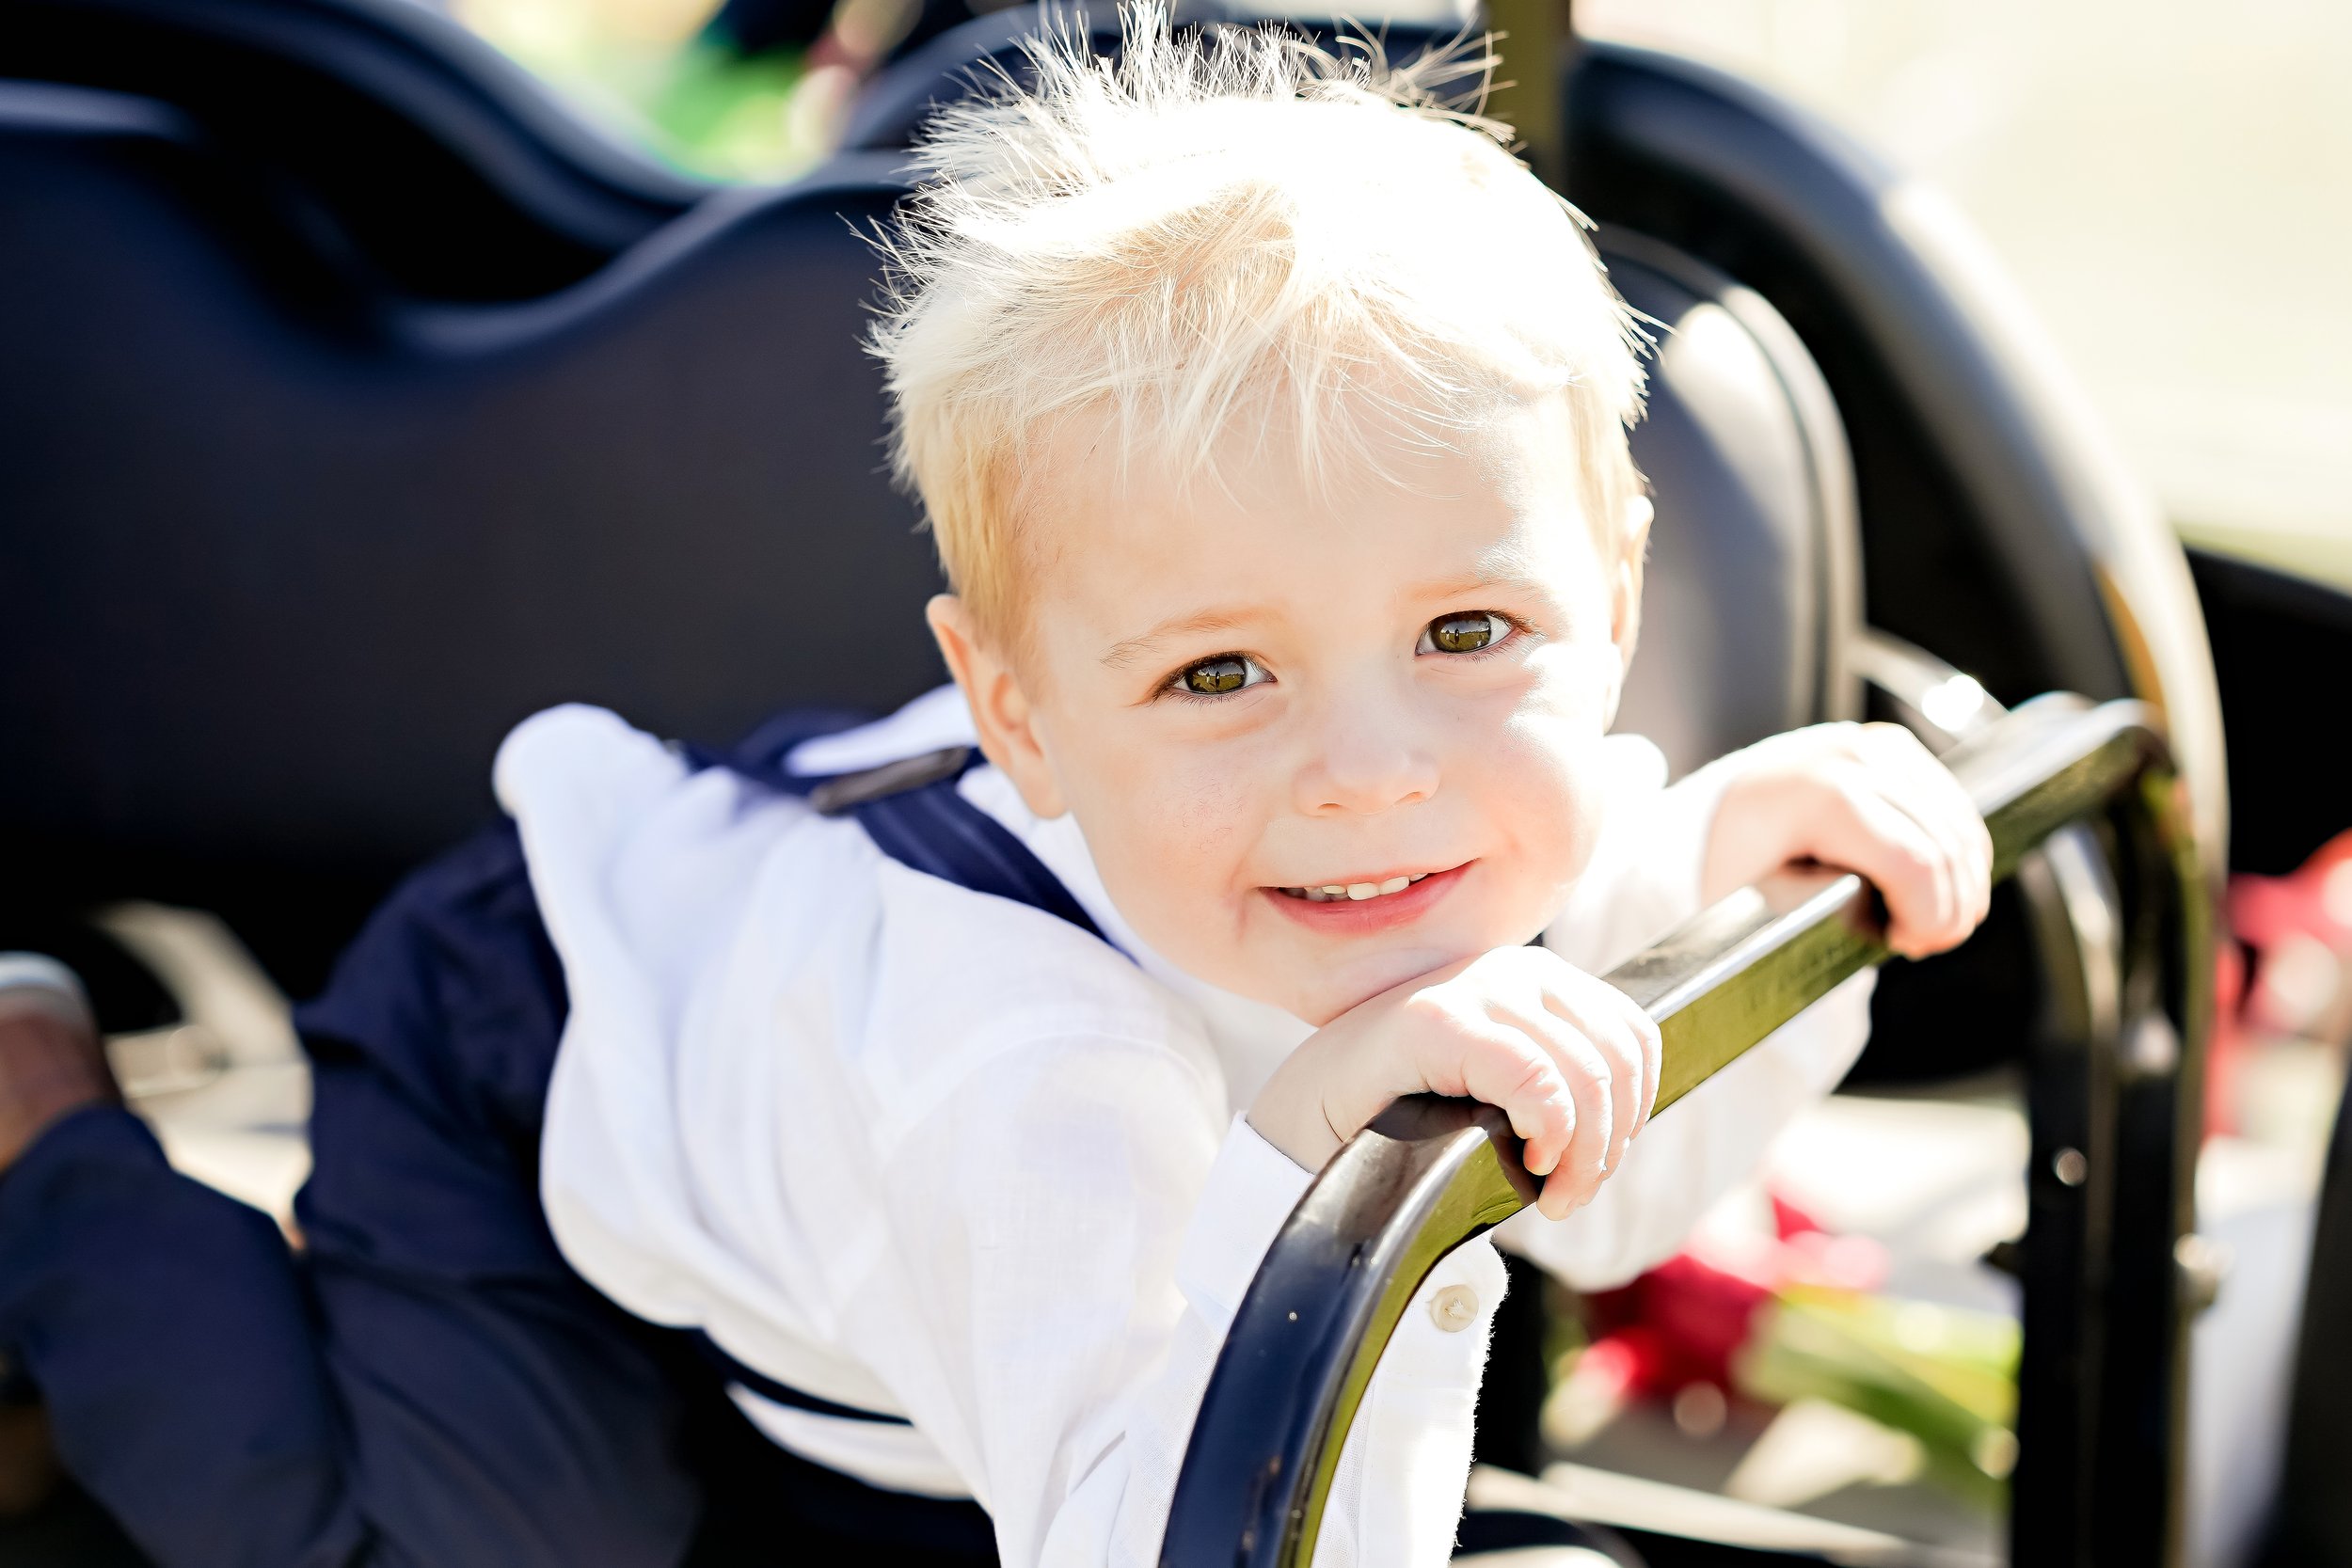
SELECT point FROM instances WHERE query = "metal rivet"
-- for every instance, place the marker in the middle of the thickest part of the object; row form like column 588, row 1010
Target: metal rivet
column 1453, row 1308
column 2069, row 1166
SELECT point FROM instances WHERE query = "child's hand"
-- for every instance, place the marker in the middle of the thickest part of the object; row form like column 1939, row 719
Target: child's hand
column 1569, row 1059
column 1866, row 797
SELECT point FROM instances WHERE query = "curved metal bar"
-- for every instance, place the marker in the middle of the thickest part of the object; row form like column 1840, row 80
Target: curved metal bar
column 2079, row 1410
column 1432, row 1174
column 1425, row 1177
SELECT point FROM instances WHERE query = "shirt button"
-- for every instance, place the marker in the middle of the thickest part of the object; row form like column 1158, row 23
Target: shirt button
column 1453, row 1308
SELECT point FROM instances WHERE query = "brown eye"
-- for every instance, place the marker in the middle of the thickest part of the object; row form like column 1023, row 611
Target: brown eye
column 1463, row 634
column 1213, row 677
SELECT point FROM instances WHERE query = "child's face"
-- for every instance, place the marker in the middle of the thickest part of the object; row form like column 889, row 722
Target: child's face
column 1419, row 675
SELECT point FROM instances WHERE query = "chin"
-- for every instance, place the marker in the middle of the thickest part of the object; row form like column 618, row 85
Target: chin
column 1360, row 980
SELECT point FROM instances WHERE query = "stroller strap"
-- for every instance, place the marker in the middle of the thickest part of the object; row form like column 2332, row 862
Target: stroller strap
column 910, row 809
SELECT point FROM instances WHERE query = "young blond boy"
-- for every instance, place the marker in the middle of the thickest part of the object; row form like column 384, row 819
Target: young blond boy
column 1271, row 422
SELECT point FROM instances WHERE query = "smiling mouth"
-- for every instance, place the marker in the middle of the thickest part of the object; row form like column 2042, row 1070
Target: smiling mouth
column 1359, row 893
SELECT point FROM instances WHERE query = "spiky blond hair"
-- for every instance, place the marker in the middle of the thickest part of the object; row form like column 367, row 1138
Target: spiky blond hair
column 1225, row 239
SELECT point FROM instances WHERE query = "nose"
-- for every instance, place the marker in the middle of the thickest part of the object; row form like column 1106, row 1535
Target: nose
column 1364, row 762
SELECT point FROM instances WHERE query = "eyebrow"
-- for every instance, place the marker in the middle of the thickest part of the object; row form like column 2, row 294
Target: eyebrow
column 1509, row 574
column 1126, row 652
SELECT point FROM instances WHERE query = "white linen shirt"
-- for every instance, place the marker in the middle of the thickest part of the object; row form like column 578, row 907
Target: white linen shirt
column 927, row 1152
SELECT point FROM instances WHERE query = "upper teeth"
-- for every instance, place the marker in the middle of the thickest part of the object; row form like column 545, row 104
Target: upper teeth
column 1357, row 890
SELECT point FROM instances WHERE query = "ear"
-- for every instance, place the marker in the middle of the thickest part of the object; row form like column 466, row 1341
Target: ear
column 1001, row 709
column 1625, row 582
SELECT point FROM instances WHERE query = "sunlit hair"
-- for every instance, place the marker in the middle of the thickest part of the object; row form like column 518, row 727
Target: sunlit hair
column 1226, row 240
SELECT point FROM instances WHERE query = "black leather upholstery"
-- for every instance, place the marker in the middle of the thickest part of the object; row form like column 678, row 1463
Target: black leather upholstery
column 1753, row 590
column 295, row 554
column 291, row 545
column 422, row 152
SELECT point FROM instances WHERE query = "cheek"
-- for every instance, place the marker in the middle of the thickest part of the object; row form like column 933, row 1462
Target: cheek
column 1546, row 790
column 1200, row 812
column 1166, row 828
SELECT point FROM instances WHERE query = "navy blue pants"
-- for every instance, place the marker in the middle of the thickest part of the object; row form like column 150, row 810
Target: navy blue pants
column 425, row 1382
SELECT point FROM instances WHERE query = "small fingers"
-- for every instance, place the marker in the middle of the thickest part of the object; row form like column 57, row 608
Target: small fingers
column 1606, row 1067
column 1570, row 1183
column 1569, row 1059
column 1925, row 790
column 1653, row 1047
column 1934, row 794
column 1510, row 1070
column 1910, row 870
column 1871, row 799
column 1607, row 1050
column 1587, row 1160
column 1639, row 1031
column 1625, row 1037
